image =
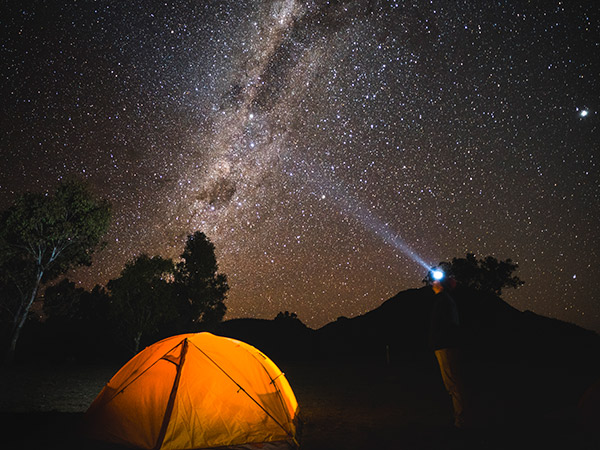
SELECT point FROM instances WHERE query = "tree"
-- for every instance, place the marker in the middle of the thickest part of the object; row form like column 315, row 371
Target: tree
column 486, row 275
column 201, row 289
column 142, row 298
column 62, row 302
column 94, row 308
column 288, row 319
column 65, row 304
column 286, row 316
column 43, row 236
column 77, row 324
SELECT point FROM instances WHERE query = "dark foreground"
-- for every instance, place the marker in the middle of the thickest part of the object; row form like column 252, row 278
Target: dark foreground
column 344, row 406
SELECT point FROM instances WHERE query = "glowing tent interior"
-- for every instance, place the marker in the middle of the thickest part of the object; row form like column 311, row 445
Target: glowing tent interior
column 196, row 391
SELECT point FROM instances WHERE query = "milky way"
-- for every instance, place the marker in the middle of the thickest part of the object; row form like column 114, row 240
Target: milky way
column 329, row 149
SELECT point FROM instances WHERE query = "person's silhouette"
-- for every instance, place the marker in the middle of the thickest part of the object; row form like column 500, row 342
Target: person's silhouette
column 445, row 339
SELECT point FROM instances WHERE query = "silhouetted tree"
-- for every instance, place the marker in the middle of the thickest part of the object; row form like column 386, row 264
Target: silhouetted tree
column 143, row 298
column 41, row 237
column 288, row 321
column 201, row 289
column 77, row 323
column 286, row 316
column 94, row 307
column 65, row 303
column 62, row 302
column 96, row 328
column 486, row 275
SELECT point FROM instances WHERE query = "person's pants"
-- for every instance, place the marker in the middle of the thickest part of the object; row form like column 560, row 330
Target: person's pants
column 452, row 376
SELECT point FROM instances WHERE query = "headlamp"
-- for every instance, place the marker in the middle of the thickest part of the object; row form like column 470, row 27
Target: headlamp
column 437, row 274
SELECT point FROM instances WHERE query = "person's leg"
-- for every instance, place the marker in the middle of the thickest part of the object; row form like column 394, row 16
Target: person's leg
column 450, row 369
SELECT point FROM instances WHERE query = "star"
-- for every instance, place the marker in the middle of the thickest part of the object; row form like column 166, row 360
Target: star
column 338, row 138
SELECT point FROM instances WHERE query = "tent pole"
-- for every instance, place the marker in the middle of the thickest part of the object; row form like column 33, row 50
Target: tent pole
column 171, row 402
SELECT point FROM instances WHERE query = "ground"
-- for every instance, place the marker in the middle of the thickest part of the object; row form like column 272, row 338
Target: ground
column 344, row 405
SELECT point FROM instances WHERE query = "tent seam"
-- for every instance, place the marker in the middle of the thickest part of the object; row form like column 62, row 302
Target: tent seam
column 246, row 392
column 120, row 391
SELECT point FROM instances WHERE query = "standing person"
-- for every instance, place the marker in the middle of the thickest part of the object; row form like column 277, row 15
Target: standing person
column 446, row 341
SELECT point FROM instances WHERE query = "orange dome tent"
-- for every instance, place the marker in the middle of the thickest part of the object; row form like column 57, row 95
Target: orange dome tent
column 196, row 391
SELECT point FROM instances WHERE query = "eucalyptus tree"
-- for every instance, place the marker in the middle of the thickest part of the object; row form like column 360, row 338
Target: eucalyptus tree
column 42, row 236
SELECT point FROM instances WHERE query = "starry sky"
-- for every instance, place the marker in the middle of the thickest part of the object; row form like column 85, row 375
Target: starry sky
column 331, row 150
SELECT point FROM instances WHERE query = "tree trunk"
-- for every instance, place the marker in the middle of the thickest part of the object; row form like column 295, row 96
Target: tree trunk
column 136, row 343
column 20, row 321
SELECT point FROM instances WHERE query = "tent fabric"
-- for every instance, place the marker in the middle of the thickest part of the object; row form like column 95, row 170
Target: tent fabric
column 196, row 391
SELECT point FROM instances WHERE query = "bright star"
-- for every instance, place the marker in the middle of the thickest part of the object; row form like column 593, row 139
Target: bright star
column 583, row 113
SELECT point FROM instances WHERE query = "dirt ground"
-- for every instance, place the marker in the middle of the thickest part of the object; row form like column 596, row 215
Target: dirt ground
column 343, row 406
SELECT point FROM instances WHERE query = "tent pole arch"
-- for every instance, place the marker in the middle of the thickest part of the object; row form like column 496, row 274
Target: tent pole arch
column 171, row 401
column 245, row 392
column 279, row 396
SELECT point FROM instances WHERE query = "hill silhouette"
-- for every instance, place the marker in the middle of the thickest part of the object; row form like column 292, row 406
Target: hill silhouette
column 397, row 331
column 523, row 366
column 287, row 339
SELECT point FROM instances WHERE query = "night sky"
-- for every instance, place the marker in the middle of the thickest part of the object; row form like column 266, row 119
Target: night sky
column 331, row 150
